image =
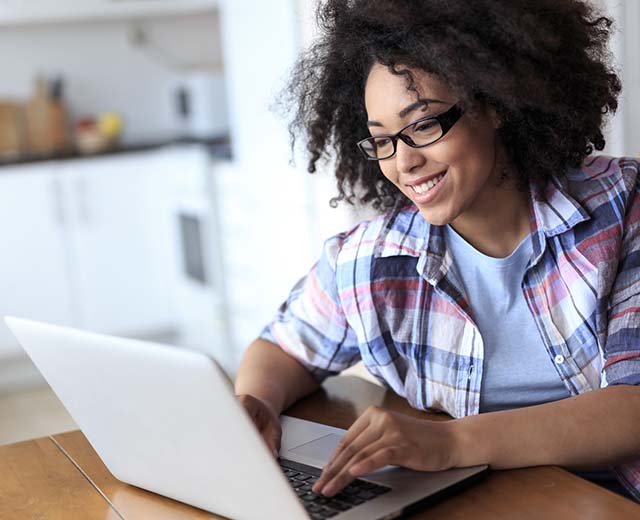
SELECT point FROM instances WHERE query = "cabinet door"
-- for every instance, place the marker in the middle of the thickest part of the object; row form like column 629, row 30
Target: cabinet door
column 33, row 271
column 121, row 256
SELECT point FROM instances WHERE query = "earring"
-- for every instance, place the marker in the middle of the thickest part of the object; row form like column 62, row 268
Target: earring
column 500, row 165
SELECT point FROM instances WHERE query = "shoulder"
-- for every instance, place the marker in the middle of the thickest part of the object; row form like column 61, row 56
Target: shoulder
column 359, row 241
column 368, row 238
column 602, row 180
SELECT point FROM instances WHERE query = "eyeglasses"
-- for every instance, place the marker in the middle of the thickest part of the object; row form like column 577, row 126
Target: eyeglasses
column 422, row 132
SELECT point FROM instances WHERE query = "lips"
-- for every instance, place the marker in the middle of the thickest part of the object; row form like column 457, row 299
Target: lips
column 426, row 188
column 423, row 180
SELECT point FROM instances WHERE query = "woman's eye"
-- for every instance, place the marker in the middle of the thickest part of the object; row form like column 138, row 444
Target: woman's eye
column 382, row 141
column 425, row 126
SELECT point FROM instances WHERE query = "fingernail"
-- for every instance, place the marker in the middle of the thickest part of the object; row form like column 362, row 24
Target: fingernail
column 328, row 489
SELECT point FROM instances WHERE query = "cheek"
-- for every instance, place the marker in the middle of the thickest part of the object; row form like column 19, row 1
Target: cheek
column 473, row 153
column 389, row 170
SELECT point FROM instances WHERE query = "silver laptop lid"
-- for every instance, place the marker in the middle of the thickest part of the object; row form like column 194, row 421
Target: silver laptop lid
column 142, row 407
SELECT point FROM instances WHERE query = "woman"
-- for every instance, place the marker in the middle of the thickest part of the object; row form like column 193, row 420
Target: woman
column 501, row 282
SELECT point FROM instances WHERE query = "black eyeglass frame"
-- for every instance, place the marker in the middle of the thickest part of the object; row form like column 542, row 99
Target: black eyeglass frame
column 446, row 120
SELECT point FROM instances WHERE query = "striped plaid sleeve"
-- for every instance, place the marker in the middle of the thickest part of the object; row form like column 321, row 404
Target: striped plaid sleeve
column 622, row 348
column 311, row 325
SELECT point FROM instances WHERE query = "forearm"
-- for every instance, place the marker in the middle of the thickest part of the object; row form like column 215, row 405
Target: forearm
column 587, row 432
column 270, row 374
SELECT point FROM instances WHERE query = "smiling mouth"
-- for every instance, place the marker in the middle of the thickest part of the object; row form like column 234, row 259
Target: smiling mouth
column 429, row 185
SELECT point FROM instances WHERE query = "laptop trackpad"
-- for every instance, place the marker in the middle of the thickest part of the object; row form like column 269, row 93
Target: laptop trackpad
column 320, row 449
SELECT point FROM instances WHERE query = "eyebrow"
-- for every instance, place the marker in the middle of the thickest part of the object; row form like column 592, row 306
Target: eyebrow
column 407, row 110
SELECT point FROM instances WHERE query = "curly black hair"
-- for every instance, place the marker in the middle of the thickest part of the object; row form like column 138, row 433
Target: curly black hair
column 543, row 65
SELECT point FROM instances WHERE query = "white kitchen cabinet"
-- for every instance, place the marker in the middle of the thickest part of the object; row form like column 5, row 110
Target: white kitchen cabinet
column 120, row 249
column 34, row 269
column 14, row 12
column 88, row 243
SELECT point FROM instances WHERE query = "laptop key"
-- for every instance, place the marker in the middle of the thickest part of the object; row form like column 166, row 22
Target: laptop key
column 347, row 499
column 340, row 506
column 319, row 506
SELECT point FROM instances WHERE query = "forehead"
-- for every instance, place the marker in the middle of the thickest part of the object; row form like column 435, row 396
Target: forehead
column 386, row 93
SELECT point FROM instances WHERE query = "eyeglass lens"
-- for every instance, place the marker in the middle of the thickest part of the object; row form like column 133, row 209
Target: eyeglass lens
column 420, row 133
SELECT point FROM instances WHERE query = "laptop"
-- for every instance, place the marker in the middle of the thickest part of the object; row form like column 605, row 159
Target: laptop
column 165, row 419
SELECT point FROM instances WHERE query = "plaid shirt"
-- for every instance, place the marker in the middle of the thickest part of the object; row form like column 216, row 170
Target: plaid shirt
column 383, row 293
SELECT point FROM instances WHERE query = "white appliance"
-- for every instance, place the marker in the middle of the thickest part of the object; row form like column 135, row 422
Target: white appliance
column 201, row 304
column 201, row 107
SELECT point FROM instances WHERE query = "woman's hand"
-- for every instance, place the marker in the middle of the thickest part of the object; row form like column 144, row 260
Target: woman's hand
column 266, row 420
column 380, row 437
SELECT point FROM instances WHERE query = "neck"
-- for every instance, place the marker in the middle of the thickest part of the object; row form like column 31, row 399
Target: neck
column 498, row 221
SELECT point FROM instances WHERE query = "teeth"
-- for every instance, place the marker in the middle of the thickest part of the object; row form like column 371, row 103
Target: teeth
column 425, row 187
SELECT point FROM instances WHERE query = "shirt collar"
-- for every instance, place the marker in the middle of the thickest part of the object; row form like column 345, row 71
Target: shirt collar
column 554, row 210
column 406, row 233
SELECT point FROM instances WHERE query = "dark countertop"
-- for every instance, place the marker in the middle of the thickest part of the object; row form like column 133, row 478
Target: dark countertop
column 219, row 148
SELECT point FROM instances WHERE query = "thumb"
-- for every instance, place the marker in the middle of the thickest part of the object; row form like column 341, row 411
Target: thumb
column 273, row 442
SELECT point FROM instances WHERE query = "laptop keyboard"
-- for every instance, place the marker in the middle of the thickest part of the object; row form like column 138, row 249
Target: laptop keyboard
column 303, row 477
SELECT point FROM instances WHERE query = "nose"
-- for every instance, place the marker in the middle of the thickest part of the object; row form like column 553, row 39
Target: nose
column 408, row 158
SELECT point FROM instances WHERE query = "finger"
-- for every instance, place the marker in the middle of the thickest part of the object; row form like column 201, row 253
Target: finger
column 268, row 442
column 275, row 445
column 272, row 447
column 375, row 456
column 339, row 456
column 353, row 450
column 384, row 456
column 357, row 428
column 360, row 425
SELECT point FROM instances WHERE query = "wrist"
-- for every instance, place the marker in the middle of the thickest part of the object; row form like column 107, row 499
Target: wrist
column 466, row 447
column 271, row 401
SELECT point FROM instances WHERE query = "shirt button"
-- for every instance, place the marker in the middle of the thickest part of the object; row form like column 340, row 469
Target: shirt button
column 559, row 359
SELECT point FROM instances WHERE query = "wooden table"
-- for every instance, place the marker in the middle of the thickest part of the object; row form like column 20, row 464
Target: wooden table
column 61, row 477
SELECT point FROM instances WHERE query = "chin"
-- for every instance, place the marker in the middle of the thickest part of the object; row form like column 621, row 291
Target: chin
column 434, row 218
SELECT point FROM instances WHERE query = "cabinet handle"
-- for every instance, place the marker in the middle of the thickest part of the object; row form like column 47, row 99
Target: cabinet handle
column 58, row 206
column 84, row 212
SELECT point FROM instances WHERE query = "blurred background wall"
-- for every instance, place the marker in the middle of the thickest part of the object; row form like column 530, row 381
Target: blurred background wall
column 132, row 66
column 147, row 189
column 624, row 130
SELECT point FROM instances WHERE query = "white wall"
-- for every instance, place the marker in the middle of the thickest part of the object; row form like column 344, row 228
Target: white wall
column 104, row 71
column 274, row 216
column 629, row 12
column 623, row 136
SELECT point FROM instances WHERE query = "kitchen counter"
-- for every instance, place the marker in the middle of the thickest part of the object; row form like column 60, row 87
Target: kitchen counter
column 219, row 148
